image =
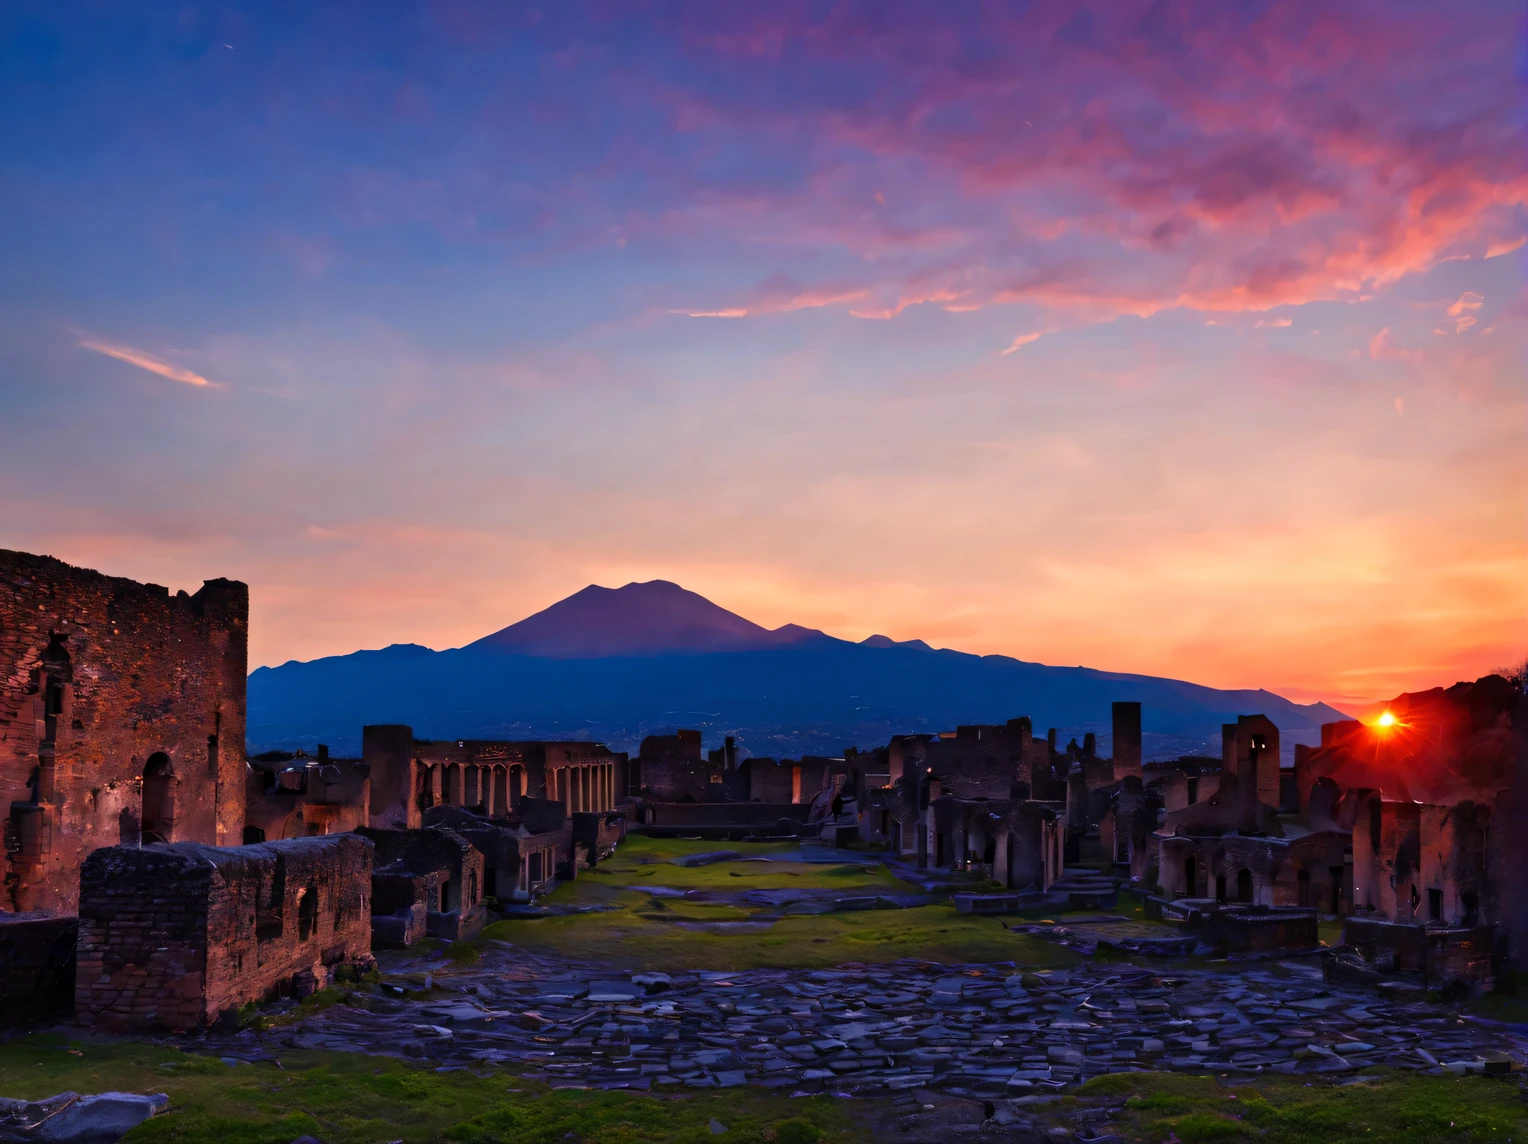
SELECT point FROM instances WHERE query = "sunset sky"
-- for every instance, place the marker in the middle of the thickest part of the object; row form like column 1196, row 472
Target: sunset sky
column 1177, row 338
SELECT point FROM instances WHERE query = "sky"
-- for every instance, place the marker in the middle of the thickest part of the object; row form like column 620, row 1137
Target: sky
column 1184, row 338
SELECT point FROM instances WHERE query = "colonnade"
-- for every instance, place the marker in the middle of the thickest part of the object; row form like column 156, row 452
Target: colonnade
column 497, row 787
column 583, row 786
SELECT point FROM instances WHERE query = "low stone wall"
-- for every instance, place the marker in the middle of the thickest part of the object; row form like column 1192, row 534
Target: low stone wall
column 172, row 937
column 36, row 968
column 1261, row 929
column 1438, row 954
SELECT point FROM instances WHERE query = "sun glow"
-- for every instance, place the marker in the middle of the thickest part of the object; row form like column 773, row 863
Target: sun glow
column 1385, row 720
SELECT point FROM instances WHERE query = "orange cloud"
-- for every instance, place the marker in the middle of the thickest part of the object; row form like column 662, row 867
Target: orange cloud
column 148, row 362
column 1024, row 340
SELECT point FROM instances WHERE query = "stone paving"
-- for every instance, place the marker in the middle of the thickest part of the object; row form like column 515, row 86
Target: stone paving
column 979, row 1031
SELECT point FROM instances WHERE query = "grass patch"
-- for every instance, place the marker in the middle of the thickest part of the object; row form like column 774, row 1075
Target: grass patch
column 1389, row 1107
column 346, row 1098
column 635, row 930
column 639, row 935
column 642, row 860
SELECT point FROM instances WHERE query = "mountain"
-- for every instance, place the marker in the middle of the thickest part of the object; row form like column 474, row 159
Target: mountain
column 640, row 619
column 618, row 664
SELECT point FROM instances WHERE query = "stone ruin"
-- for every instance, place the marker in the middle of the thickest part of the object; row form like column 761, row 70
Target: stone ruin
column 121, row 728
column 121, row 720
column 176, row 936
column 425, row 882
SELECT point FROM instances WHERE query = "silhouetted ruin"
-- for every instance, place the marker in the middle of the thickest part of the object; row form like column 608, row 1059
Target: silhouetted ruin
column 155, row 878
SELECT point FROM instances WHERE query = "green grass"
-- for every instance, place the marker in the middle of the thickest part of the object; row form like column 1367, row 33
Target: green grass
column 1395, row 1108
column 641, row 860
column 345, row 1098
column 637, row 930
column 640, row 932
column 632, row 936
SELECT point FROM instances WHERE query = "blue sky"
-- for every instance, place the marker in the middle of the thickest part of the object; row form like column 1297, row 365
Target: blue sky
column 1183, row 338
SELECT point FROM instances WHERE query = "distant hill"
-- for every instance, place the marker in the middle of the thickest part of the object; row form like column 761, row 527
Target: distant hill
column 618, row 664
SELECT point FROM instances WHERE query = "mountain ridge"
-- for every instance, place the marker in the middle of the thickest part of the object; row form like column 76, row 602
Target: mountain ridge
column 615, row 664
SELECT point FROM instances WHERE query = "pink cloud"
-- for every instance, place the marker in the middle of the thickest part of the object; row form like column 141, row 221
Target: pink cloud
column 147, row 362
column 1024, row 340
column 1380, row 349
column 1201, row 157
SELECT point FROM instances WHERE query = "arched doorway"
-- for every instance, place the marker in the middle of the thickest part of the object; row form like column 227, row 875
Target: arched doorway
column 307, row 913
column 157, row 820
column 1190, row 876
column 1244, row 885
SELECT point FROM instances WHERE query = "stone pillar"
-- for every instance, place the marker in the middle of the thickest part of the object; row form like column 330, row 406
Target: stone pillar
column 564, row 777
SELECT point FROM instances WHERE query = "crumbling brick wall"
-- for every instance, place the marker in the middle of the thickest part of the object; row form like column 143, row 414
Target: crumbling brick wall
column 454, row 905
column 102, row 682
column 173, row 936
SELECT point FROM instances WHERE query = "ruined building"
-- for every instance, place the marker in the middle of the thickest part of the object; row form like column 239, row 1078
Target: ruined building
column 1421, row 794
column 408, row 775
column 425, row 882
column 173, row 937
column 121, row 720
column 297, row 796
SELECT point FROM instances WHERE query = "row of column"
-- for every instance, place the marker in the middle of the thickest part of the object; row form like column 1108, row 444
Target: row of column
column 496, row 787
column 584, row 787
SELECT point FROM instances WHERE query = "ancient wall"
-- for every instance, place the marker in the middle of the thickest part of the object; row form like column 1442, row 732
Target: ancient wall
column 301, row 797
column 1387, row 859
column 1127, row 739
column 1473, row 954
column 36, row 967
column 455, row 908
column 1029, row 851
column 171, row 937
column 485, row 776
column 388, row 751
column 1258, row 929
column 1250, row 749
column 1250, row 869
column 121, row 715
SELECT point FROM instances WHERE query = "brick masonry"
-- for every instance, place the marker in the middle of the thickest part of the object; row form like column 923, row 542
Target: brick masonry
column 172, row 937
column 121, row 710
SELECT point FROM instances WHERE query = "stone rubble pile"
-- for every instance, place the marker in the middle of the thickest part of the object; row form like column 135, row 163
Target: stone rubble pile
column 980, row 1031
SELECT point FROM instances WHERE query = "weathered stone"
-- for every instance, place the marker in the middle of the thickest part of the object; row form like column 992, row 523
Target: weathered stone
column 104, row 1117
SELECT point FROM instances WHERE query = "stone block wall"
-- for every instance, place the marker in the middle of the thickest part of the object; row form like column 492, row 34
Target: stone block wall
column 171, row 937
column 121, row 710
column 453, row 885
column 36, row 967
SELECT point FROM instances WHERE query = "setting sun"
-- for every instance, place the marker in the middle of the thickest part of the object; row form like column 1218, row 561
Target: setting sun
column 1386, row 720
